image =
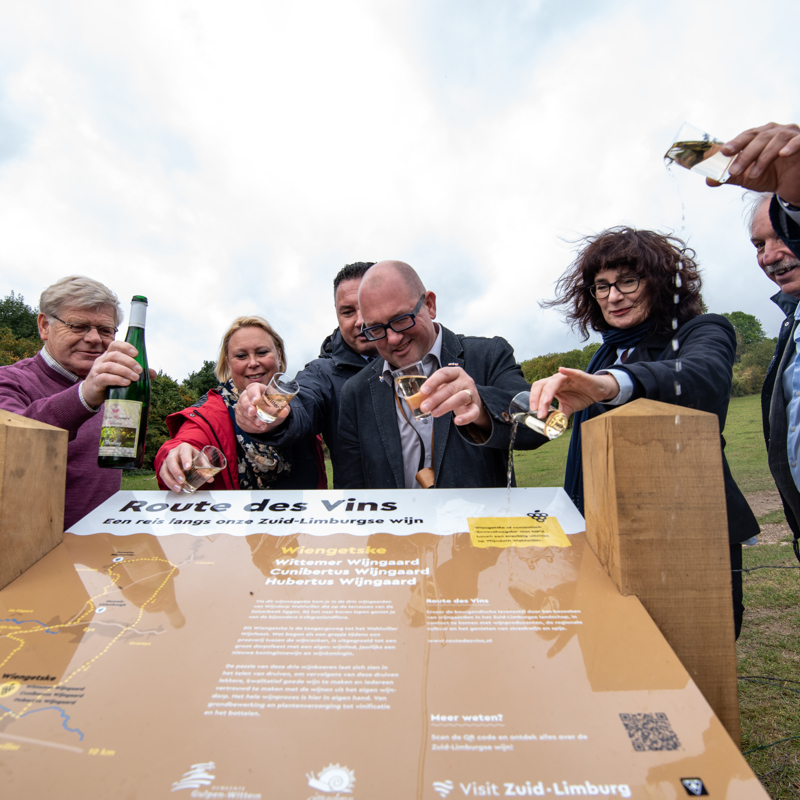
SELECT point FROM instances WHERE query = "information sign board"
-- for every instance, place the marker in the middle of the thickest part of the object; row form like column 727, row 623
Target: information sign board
column 443, row 657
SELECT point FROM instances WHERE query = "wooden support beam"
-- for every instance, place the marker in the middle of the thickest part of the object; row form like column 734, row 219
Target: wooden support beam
column 656, row 519
column 33, row 474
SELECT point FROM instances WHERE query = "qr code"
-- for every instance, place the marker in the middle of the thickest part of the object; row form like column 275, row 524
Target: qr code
column 650, row 732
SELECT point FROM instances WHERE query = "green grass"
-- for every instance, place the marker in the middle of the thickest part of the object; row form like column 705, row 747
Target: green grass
column 769, row 658
column 139, row 479
column 544, row 466
column 745, row 450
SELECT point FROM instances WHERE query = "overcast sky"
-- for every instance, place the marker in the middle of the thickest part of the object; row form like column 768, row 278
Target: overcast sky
column 229, row 158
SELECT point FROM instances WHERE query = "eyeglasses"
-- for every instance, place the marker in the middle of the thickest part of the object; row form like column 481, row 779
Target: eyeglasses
column 398, row 324
column 82, row 328
column 626, row 285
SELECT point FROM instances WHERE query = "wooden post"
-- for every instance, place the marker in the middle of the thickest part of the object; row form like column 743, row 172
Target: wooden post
column 33, row 474
column 656, row 519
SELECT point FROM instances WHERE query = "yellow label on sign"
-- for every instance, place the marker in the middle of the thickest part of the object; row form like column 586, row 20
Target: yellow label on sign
column 7, row 689
column 535, row 530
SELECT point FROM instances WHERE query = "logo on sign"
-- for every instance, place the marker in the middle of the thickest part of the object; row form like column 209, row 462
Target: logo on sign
column 694, row 786
column 331, row 779
column 197, row 776
column 443, row 788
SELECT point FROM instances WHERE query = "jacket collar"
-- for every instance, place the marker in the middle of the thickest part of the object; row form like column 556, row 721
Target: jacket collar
column 785, row 302
column 335, row 348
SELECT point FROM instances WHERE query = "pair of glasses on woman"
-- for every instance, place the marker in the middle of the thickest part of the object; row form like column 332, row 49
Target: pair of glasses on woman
column 81, row 328
column 626, row 285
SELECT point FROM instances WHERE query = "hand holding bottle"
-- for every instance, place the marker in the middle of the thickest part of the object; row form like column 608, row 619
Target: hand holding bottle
column 127, row 404
column 116, row 367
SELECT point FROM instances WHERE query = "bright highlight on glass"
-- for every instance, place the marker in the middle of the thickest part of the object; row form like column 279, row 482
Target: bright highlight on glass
column 409, row 380
column 699, row 152
column 280, row 391
column 206, row 464
column 552, row 426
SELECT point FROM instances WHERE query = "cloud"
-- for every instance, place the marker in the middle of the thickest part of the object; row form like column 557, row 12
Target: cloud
column 230, row 159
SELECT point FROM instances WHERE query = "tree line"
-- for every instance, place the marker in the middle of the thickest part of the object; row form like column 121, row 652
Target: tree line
column 19, row 338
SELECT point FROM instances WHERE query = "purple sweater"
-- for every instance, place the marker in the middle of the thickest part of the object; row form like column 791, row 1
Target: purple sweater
column 31, row 388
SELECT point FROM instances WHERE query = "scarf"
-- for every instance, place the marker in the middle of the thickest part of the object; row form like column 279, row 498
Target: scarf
column 613, row 340
column 259, row 464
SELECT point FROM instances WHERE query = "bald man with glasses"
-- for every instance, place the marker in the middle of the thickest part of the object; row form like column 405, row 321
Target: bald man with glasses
column 66, row 382
column 471, row 381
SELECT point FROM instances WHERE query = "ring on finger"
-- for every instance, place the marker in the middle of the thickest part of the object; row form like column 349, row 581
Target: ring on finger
column 469, row 394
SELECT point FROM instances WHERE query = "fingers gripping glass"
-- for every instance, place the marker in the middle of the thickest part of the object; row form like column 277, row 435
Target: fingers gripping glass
column 82, row 328
column 398, row 324
column 624, row 286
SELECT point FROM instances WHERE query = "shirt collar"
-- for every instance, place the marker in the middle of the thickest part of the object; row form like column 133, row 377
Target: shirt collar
column 430, row 362
column 53, row 364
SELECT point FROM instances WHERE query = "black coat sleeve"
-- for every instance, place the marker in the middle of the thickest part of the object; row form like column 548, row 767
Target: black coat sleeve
column 351, row 469
column 698, row 374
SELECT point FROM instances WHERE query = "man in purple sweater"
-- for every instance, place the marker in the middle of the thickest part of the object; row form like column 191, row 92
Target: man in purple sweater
column 65, row 383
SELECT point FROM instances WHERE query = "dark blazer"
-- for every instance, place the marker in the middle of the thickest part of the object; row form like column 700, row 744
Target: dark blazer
column 773, row 414
column 706, row 351
column 316, row 407
column 369, row 437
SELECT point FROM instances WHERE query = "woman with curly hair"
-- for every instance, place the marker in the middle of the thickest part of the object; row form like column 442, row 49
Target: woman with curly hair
column 641, row 291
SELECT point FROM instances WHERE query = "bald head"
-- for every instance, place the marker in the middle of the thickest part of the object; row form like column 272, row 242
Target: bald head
column 392, row 289
column 397, row 272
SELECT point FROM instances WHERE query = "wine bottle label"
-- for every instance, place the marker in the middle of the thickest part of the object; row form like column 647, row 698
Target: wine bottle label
column 120, row 432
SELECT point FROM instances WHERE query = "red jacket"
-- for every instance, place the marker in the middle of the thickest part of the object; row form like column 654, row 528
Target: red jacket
column 209, row 422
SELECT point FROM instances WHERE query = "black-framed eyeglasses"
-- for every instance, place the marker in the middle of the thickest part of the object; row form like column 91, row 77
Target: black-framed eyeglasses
column 398, row 324
column 627, row 285
column 82, row 328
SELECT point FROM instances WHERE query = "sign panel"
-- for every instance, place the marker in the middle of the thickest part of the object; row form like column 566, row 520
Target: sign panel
column 424, row 665
column 321, row 513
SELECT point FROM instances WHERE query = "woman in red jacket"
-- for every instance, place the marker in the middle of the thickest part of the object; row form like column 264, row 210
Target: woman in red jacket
column 251, row 352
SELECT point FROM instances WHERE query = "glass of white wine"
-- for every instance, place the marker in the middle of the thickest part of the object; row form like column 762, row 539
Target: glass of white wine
column 279, row 393
column 205, row 464
column 700, row 152
column 409, row 380
column 552, row 426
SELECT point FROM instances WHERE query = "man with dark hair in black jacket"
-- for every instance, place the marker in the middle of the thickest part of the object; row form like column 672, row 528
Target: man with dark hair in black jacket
column 343, row 354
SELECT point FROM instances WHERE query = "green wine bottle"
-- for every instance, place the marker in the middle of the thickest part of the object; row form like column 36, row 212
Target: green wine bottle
column 125, row 410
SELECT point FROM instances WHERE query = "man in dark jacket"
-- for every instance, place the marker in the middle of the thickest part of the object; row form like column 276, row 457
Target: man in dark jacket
column 779, row 400
column 471, row 381
column 343, row 354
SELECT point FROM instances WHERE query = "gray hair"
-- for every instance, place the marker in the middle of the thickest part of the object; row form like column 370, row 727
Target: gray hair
column 753, row 201
column 79, row 291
